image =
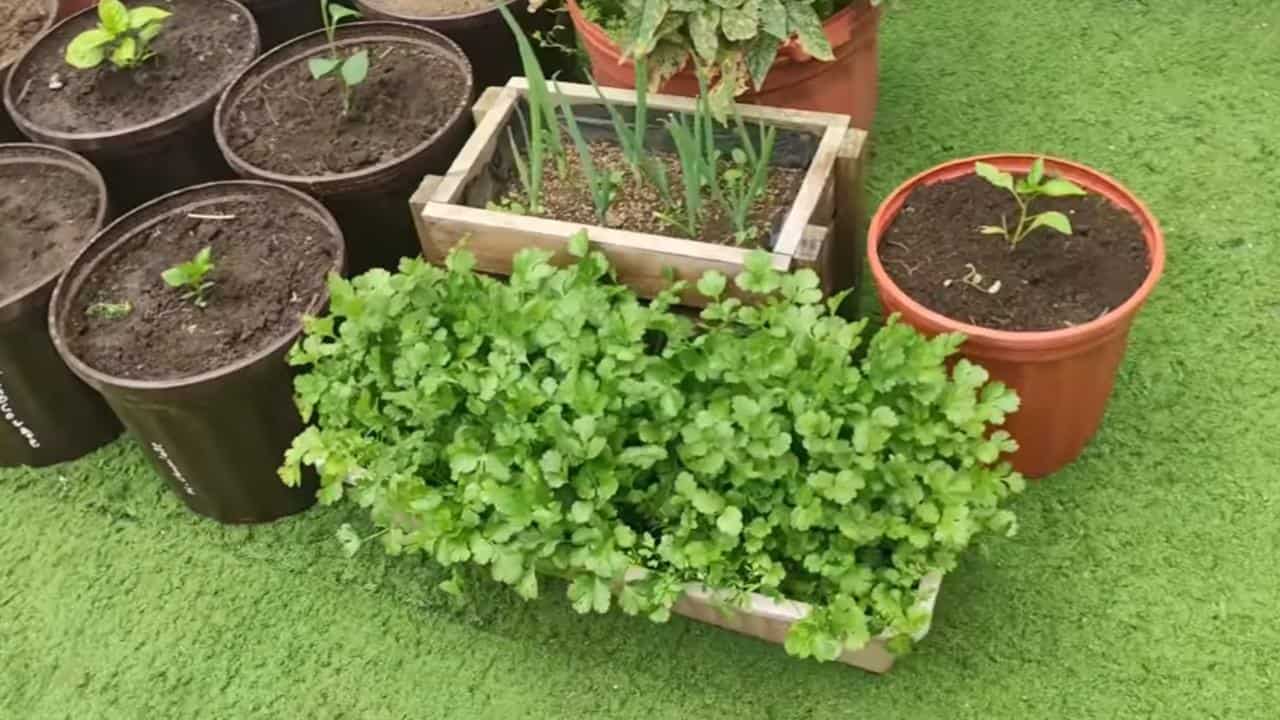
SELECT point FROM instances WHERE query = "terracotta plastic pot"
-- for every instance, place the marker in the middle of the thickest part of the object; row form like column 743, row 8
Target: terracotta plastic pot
column 67, row 8
column 8, row 131
column 217, row 437
column 283, row 20
column 482, row 35
column 372, row 204
column 847, row 85
column 146, row 160
column 47, row 415
column 1064, row 377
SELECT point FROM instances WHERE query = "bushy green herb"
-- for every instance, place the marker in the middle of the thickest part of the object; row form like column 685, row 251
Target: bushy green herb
column 122, row 36
column 557, row 425
column 109, row 310
column 193, row 277
column 352, row 69
column 1024, row 191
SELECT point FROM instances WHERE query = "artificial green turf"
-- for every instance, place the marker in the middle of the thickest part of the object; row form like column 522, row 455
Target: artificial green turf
column 1145, row 581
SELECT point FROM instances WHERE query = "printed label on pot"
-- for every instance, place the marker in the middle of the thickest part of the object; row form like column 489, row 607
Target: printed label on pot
column 161, row 453
column 11, row 418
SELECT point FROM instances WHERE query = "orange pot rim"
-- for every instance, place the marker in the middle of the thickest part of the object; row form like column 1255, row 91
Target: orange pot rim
column 839, row 29
column 1047, row 340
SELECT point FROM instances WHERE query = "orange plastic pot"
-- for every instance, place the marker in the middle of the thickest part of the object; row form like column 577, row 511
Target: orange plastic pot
column 847, row 85
column 1064, row 377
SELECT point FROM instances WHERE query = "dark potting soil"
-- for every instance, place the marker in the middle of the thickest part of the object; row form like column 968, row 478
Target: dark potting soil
column 46, row 214
column 270, row 264
column 934, row 252
column 204, row 44
column 429, row 8
column 637, row 204
column 20, row 22
column 293, row 124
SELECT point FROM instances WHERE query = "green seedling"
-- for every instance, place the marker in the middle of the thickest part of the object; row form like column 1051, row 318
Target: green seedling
column 1024, row 191
column 352, row 69
column 109, row 310
column 602, row 183
column 192, row 277
column 747, row 177
column 122, row 36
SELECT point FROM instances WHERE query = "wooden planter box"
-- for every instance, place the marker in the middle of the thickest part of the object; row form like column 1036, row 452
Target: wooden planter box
column 769, row 620
column 821, row 230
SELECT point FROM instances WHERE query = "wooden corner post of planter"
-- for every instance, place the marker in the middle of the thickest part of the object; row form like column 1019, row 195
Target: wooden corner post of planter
column 820, row 229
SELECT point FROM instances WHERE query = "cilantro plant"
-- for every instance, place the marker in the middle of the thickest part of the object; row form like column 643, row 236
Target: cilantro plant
column 1024, row 191
column 352, row 69
column 556, row 425
column 192, row 277
column 122, row 36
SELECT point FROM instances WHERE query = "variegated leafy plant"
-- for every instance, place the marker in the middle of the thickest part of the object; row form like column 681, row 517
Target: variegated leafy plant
column 732, row 42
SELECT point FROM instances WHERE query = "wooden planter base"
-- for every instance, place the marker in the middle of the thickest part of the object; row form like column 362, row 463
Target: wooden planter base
column 822, row 229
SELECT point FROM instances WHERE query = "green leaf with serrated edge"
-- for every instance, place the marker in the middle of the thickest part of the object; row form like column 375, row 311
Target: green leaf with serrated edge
column 804, row 23
column 114, row 16
column 143, row 16
column 704, row 33
column 355, row 68
column 1052, row 219
column 712, row 284
column 86, row 49
column 994, row 176
column 730, row 521
column 1037, row 172
column 322, row 66
column 349, row 539
column 579, row 244
column 1061, row 188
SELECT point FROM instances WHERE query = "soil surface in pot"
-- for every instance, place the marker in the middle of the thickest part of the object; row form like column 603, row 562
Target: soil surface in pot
column 20, row 22
column 934, row 252
column 430, row 8
column 292, row 124
column 201, row 48
column 637, row 205
column 46, row 213
column 270, row 264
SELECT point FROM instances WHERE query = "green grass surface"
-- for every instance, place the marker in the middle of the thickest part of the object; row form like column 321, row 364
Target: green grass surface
column 1144, row 583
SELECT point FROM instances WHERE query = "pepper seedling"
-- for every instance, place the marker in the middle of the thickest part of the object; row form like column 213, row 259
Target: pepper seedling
column 122, row 36
column 1024, row 191
column 351, row 70
column 192, row 276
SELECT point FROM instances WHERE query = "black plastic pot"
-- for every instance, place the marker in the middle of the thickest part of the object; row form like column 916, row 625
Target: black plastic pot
column 8, row 131
column 217, row 437
column 143, row 161
column 283, row 20
column 482, row 35
column 372, row 204
column 47, row 415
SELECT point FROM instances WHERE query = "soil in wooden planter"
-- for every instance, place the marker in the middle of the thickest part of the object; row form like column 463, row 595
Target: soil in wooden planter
column 45, row 213
column 201, row 47
column 20, row 22
column 934, row 252
column 431, row 8
column 638, row 206
column 270, row 265
column 293, row 124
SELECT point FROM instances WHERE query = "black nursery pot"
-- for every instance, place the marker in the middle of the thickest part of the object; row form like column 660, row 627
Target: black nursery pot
column 9, row 131
column 482, row 34
column 217, row 437
column 149, row 154
column 283, row 20
column 47, row 415
column 371, row 203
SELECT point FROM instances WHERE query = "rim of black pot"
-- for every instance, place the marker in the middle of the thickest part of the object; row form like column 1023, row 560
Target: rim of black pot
column 456, row 16
column 271, row 59
column 78, row 271
column 106, row 135
column 57, row 156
